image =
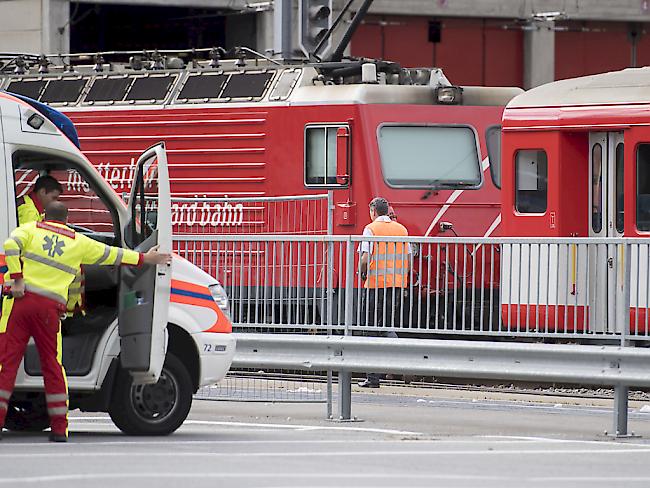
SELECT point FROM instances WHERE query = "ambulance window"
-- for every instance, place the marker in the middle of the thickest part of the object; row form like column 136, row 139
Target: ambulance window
column 320, row 155
column 643, row 187
column 531, row 181
column 493, row 143
column 422, row 156
column 87, row 213
column 597, row 188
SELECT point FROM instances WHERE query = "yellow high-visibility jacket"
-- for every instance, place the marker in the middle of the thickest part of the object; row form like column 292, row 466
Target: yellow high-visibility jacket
column 29, row 210
column 52, row 254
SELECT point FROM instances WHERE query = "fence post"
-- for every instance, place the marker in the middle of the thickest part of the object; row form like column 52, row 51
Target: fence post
column 621, row 392
column 345, row 377
column 330, row 286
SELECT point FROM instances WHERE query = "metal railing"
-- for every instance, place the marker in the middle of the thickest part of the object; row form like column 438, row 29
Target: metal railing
column 294, row 214
column 596, row 291
column 493, row 287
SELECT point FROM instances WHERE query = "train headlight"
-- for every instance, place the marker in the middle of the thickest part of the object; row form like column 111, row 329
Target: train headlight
column 449, row 95
column 220, row 298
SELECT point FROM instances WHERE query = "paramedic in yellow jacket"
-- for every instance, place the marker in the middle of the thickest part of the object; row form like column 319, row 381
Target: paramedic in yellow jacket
column 31, row 207
column 43, row 258
column 384, row 268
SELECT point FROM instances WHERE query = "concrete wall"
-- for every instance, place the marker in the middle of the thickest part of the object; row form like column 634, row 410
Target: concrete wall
column 34, row 26
column 614, row 10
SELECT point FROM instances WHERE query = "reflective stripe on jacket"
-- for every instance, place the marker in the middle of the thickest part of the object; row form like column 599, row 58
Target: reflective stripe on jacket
column 388, row 265
column 52, row 256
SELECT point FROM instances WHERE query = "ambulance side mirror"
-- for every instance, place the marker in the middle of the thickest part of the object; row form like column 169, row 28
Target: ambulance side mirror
column 343, row 156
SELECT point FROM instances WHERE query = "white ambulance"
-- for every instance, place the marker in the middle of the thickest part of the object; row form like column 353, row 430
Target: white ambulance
column 150, row 336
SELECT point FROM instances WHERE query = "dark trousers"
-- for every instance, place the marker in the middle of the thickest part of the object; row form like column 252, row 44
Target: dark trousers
column 381, row 307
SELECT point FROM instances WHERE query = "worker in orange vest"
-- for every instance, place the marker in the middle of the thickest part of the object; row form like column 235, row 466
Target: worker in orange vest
column 384, row 268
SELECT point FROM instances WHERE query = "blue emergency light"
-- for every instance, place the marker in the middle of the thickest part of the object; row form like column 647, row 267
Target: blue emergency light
column 61, row 121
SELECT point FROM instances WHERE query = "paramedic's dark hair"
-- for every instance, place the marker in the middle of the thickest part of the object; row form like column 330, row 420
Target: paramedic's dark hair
column 56, row 211
column 380, row 205
column 48, row 183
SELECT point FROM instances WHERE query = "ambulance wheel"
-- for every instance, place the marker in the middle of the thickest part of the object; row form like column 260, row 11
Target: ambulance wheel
column 157, row 409
column 27, row 416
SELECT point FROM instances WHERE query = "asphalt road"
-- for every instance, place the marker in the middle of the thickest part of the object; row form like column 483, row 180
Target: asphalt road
column 444, row 439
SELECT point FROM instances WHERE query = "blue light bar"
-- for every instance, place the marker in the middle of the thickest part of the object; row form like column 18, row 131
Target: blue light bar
column 61, row 121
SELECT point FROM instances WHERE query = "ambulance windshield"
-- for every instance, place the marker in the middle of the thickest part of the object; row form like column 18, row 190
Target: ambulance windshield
column 429, row 156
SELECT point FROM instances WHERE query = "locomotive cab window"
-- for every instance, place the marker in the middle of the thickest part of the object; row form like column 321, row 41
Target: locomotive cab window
column 429, row 156
column 531, row 181
column 643, row 187
column 493, row 143
column 321, row 155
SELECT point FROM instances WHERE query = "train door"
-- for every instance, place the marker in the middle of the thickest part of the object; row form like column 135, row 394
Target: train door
column 606, row 220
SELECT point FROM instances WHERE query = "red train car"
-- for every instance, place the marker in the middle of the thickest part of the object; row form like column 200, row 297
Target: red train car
column 576, row 163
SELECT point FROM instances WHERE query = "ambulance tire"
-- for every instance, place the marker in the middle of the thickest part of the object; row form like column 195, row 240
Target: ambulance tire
column 27, row 416
column 157, row 409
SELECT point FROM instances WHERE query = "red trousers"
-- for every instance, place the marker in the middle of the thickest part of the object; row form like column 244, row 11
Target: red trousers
column 37, row 317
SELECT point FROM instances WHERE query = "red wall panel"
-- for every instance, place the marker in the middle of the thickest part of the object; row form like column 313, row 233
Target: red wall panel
column 367, row 41
column 504, row 56
column 460, row 52
column 591, row 48
column 643, row 50
column 470, row 51
column 406, row 39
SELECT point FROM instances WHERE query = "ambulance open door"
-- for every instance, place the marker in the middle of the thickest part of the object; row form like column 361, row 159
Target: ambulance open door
column 144, row 291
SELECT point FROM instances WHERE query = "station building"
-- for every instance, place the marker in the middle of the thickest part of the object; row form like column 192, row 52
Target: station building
column 477, row 42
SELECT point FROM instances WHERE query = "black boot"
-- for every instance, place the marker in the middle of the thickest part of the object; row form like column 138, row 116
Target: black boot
column 58, row 437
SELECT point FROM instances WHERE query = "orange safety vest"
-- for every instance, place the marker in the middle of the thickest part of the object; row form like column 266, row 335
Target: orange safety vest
column 389, row 261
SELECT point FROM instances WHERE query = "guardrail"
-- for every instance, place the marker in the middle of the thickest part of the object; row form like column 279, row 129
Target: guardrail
column 617, row 366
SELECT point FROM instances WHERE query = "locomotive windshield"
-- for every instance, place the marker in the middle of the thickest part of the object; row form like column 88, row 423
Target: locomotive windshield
column 414, row 156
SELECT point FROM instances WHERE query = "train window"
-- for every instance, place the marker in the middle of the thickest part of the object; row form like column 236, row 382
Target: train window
column 597, row 188
column 108, row 90
column 493, row 143
column 202, row 86
column 643, row 187
column 419, row 156
column 247, row 85
column 320, row 155
column 27, row 88
column 531, row 181
column 285, row 84
column 150, row 88
column 620, row 183
column 62, row 91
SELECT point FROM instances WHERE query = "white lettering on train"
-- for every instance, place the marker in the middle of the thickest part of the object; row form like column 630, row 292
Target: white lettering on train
column 190, row 214
column 208, row 214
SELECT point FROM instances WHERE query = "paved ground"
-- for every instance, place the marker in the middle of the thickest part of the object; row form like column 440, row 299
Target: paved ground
column 417, row 439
